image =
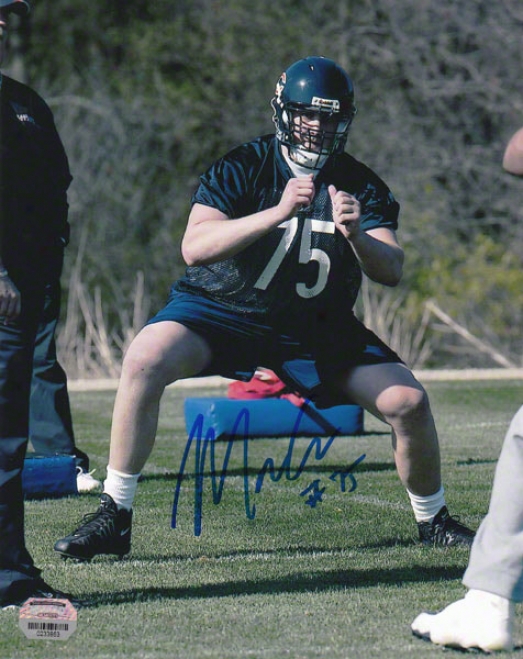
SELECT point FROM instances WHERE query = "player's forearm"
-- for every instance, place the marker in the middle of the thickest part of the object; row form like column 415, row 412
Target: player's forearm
column 513, row 156
column 215, row 240
column 380, row 261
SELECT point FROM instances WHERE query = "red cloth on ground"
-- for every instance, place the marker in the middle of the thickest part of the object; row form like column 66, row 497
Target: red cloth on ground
column 264, row 384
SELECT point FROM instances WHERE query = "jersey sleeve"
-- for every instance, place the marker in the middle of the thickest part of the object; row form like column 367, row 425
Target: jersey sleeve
column 379, row 208
column 223, row 186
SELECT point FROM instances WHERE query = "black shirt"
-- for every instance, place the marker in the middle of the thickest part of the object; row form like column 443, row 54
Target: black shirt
column 34, row 172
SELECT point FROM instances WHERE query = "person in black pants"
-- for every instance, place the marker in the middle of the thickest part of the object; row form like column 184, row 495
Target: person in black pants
column 34, row 178
column 51, row 429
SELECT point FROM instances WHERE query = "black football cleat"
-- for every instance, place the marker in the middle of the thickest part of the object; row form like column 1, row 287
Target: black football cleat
column 107, row 531
column 445, row 531
column 21, row 591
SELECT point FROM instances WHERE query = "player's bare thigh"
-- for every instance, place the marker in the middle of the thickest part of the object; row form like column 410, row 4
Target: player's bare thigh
column 166, row 351
column 383, row 389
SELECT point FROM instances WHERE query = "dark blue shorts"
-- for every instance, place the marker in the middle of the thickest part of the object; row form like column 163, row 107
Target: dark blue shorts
column 307, row 356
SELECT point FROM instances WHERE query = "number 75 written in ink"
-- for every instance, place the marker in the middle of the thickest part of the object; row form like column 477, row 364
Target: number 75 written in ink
column 240, row 434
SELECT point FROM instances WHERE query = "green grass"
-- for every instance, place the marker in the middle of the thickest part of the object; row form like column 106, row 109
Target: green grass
column 341, row 580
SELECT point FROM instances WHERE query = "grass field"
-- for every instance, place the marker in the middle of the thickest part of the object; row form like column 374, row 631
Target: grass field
column 340, row 579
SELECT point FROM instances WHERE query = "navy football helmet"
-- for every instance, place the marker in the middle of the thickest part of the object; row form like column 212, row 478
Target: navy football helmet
column 319, row 90
column 20, row 7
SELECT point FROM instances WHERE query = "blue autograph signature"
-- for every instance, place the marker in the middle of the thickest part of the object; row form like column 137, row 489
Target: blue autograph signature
column 241, row 433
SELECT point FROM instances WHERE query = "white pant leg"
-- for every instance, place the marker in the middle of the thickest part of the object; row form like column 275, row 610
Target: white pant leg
column 496, row 559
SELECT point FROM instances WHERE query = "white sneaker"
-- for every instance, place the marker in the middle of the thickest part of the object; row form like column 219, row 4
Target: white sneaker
column 479, row 620
column 85, row 481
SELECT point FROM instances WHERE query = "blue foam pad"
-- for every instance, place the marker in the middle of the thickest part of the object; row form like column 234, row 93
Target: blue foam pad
column 49, row 475
column 270, row 417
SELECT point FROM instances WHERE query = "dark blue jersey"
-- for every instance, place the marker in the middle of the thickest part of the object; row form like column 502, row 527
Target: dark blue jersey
column 304, row 268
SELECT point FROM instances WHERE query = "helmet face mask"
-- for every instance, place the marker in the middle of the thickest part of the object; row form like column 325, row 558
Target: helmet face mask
column 318, row 133
column 313, row 110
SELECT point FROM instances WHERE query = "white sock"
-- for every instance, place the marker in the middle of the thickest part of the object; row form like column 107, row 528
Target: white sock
column 121, row 487
column 482, row 597
column 427, row 507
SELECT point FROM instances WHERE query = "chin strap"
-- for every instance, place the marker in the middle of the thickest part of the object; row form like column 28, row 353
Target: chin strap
column 307, row 159
column 315, row 161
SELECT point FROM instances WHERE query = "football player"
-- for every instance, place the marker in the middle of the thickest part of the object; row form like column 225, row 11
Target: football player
column 279, row 234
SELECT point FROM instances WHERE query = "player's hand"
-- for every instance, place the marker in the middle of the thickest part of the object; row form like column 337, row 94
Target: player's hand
column 298, row 193
column 346, row 212
column 10, row 301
